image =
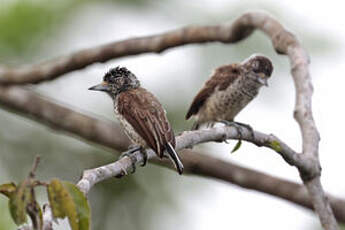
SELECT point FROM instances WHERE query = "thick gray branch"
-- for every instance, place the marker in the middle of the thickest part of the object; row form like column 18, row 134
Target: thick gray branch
column 58, row 117
column 286, row 43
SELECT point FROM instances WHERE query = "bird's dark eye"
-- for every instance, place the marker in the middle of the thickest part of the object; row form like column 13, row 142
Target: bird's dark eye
column 268, row 71
column 111, row 80
column 113, row 72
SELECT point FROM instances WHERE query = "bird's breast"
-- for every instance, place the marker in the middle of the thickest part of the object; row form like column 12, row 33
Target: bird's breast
column 226, row 104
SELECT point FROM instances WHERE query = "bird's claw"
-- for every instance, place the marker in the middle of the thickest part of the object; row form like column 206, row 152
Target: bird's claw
column 248, row 127
column 145, row 157
column 223, row 139
column 133, row 159
column 239, row 128
column 123, row 173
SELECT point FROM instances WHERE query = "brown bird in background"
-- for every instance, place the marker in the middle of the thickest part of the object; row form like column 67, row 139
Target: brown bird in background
column 141, row 115
column 229, row 90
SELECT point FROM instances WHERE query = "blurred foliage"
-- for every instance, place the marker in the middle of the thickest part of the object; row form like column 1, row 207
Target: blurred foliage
column 24, row 24
column 6, row 222
column 140, row 3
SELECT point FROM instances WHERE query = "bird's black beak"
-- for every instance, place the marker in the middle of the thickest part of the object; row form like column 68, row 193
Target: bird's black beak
column 101, row 87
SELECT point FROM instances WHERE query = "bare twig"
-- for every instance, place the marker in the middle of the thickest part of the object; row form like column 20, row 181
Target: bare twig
column 283, row 41
column 34, row 167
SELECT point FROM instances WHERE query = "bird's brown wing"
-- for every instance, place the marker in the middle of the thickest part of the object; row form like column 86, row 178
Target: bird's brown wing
column 222, row 77
column 147, row 116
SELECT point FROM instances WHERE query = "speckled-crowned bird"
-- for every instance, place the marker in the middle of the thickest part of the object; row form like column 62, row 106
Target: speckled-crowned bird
column 141, row 115
column 229, row 89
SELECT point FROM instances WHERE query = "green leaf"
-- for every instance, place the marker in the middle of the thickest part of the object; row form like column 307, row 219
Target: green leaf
column 81, row 203
column 66, row 200
column 57, row 196
column 276, row 146
column 237, row 146
column 18, row 202
column 18, row 39
column 8, row 189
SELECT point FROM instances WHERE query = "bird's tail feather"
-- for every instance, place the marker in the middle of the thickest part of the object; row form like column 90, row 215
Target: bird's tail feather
column 174, row 158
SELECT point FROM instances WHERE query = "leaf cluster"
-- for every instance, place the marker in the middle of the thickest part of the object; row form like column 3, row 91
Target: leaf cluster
column 65, row 200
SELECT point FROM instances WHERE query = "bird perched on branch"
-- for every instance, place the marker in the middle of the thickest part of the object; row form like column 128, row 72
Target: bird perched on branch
column 141, row 115
column 229, row 90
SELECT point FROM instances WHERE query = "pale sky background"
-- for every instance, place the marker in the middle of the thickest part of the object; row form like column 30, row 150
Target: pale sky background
column 223, row 206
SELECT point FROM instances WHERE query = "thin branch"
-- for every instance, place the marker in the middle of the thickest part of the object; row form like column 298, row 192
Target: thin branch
column 34, row 167
column 54, row 68
column 185, row 140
